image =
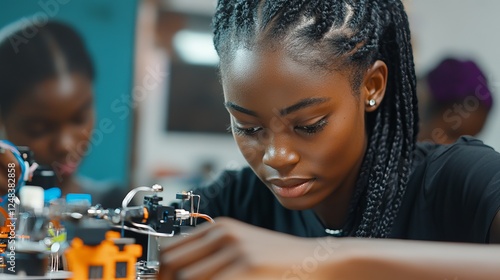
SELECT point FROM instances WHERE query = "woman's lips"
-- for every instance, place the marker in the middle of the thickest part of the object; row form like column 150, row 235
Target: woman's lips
column 67, row 169
column 291, row 188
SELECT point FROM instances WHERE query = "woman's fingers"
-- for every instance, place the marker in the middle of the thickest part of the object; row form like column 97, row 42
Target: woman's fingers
column 193, row 249
column 230, row 250
column 200, row 232
column 211, row 267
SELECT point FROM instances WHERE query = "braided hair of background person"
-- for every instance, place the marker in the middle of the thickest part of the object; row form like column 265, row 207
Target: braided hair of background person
column 354, row 34
column 30, row 54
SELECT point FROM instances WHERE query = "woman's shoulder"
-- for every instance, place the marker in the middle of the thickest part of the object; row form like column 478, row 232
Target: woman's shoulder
column 460, row 173
column 461, row 152
column 453, row 193
column 466, row 162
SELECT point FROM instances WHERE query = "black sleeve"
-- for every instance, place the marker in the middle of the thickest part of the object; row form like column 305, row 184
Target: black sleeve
column 215, row 196
column 234, row 194
column 466, row 179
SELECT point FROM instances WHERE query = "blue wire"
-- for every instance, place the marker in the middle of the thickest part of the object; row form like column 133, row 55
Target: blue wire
column 20, row 161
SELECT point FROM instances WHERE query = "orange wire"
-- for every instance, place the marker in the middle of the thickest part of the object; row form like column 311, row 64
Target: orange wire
column 203, row 216
column 7, row 221
column 146, row 215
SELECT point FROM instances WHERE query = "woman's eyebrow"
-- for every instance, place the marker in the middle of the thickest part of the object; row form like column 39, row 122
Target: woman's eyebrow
column 233, row 106
column 304, row 103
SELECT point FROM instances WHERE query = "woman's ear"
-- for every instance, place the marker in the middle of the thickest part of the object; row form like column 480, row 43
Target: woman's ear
column 374, row 85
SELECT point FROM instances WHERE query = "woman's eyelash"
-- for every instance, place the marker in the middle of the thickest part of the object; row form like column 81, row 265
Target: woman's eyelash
column 308, row 129
column 245, row 131
column 314, row 128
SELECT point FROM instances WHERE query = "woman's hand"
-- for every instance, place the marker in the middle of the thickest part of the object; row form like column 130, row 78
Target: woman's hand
column 230, row 249
column 7, row 161
column 234, row 250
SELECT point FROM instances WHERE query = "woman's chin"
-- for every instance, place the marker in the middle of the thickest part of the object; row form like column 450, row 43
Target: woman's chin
column 65, row 170
column 299, row 203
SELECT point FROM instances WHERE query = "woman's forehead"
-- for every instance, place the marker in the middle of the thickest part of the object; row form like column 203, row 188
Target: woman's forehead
column 257, row 76
column 276, row 67
column 245, row 63
column 56, row 93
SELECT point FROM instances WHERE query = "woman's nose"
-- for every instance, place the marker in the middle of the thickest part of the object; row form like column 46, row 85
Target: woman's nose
column 65, row 142
column 280, row 154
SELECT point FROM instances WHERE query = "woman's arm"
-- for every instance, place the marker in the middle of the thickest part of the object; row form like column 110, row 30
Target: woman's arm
column 495, row 229
column 397, row 259
column 234, row 250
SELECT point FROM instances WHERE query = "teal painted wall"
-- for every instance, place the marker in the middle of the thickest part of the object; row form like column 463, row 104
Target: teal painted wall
column 108, row 28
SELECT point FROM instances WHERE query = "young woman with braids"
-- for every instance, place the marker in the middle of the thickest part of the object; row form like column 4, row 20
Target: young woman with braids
column 321, row 97
column 47, row 104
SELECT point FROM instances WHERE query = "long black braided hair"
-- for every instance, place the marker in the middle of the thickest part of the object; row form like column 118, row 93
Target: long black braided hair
column 355, row 33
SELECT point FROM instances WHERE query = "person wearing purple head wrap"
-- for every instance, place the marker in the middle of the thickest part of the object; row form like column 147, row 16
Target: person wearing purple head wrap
column 455, row 100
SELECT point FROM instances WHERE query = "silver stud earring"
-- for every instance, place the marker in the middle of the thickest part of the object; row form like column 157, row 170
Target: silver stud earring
column 372, row 102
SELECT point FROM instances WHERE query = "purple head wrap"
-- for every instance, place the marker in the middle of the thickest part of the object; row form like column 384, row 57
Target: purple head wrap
column 454, row 80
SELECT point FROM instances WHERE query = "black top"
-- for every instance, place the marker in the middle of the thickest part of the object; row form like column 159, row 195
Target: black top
column 453, row 195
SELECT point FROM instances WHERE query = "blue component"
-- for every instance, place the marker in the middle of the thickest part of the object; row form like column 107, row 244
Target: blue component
column 52, row 194
column 78, row 198
column 20, row 182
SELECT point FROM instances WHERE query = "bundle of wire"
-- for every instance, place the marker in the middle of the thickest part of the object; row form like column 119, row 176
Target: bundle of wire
column 26, row 169
column 146, row 229
column 143, row 229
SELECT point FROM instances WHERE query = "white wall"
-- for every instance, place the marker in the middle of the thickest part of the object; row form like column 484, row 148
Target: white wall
column 468, row 28
column 179, row 151
column 156, row 148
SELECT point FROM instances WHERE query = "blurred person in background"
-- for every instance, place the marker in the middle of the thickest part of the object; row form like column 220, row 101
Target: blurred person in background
column 47, row 103
column 454, row 100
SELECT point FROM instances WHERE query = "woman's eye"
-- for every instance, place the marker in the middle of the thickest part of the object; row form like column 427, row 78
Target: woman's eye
column 81, row 119
column 84, row 116
column 37, row 131
column 314, row 128
column 246, row 131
